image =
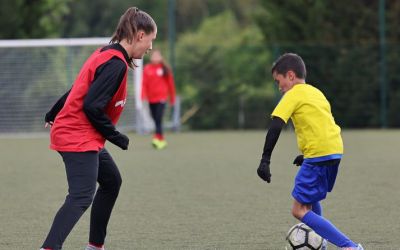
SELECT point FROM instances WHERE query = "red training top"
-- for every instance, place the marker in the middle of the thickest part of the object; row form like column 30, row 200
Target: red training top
column 72, row 131
column 155, row 86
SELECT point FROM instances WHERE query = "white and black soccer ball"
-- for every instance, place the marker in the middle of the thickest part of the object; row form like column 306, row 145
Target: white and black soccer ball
column 300, row 236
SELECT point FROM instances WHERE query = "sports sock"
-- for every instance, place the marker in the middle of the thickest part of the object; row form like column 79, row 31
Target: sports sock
column 326, row 230
column 317, row 208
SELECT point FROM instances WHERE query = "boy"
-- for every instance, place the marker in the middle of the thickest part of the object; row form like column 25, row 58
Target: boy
column 318, row 138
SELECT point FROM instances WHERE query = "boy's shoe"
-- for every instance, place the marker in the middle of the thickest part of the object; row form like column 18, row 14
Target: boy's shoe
column 324, row 245
column 358, row 247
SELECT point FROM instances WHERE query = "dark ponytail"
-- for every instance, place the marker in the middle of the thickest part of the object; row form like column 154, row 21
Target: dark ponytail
column 130, row 23
column 166, row 69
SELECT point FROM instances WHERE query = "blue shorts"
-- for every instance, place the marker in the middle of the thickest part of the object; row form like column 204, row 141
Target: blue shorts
column 314, row 181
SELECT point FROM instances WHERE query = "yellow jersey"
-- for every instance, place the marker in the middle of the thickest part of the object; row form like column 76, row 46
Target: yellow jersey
column 316, row 130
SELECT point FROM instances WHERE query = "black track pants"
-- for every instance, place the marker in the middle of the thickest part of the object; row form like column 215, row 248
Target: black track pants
column 157, row 112
column 83, row 170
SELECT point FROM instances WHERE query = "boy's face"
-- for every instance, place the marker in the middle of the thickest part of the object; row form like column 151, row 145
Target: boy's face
column 284, row 82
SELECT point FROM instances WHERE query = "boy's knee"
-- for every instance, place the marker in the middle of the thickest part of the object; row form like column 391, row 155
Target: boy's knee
column 299, row 211
column 296, row 213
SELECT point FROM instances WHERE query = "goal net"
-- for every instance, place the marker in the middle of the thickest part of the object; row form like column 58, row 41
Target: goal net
column 35, row 73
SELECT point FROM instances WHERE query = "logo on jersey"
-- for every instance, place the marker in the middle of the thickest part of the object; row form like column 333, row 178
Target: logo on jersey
column 120, row 103
column 160, row 72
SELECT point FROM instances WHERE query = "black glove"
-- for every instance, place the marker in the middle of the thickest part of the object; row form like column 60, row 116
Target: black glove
column 298, row 160
column 120, row 140
column 49, row 117
column 263, row 170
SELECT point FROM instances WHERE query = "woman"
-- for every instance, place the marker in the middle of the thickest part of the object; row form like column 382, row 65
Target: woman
column 157, row 86
column 84, row 118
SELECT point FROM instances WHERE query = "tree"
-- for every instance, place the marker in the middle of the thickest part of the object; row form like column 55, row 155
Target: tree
column 31, row 19
column 102, row 22
column 221, row 67
column 339, row 42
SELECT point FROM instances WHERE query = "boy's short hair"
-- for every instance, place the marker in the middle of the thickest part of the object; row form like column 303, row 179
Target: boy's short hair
column 290, row 61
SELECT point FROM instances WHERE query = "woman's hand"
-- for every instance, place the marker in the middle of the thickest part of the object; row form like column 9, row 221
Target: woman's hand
column 48, row 124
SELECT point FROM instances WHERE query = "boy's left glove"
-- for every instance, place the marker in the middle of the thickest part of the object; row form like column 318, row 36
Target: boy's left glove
column 263, row 170
column 298, row 160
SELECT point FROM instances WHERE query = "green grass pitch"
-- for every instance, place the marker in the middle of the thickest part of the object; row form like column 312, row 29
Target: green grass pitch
column 203, row 192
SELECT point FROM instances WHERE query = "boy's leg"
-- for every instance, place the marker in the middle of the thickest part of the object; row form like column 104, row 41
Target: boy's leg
column 81, row 169
column 322, row 226
column 109, row 180
column 317, row 208
column 311, row 185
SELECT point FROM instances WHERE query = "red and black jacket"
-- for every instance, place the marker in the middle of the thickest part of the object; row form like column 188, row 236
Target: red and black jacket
column 86, row 115
column 157, row 85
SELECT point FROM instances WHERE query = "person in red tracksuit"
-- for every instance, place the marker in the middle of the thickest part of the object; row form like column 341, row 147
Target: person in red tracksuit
column 157, row 87
column 84, row 119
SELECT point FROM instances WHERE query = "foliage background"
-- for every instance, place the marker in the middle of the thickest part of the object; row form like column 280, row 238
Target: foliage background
column 224, row 50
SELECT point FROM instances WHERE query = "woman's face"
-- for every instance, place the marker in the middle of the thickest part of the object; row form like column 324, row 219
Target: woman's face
column 156, row 57
column 143, row 44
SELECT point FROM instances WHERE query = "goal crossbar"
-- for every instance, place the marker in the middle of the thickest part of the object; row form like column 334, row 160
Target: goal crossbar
column 53, row 42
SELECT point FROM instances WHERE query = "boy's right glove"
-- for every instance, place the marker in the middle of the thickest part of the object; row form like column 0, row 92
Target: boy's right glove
column 263, row 170
column 298, row 160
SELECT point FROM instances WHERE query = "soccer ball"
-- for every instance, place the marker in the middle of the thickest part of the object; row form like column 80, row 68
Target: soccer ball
column 300, row 236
